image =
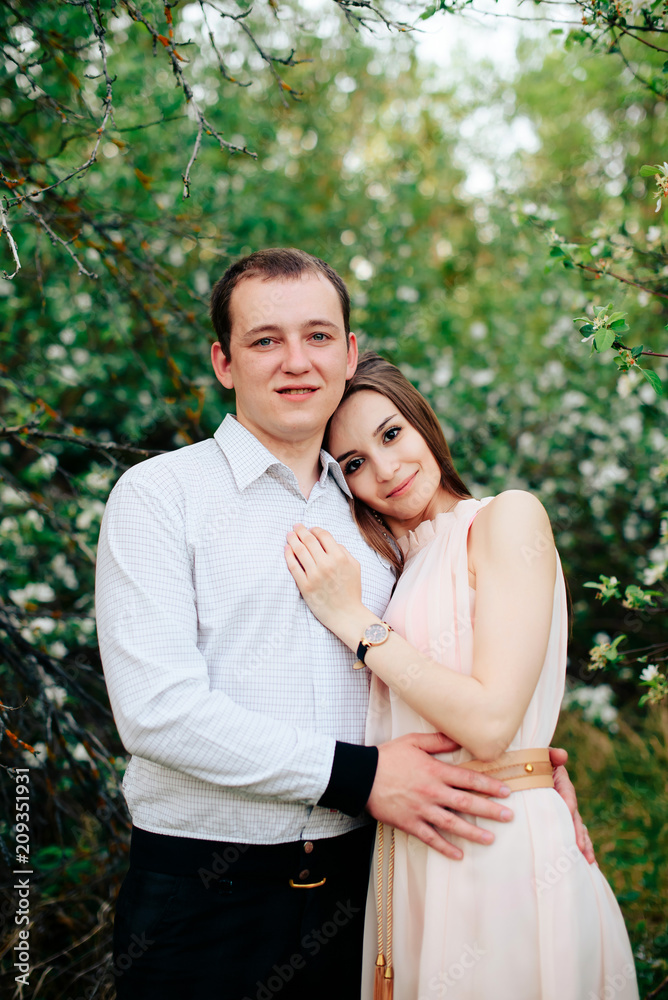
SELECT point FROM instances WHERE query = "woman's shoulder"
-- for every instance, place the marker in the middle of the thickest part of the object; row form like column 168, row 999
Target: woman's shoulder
column 512, row 514
column 513, row 503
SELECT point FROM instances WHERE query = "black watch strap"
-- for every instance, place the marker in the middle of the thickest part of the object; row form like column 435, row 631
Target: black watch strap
column 361, row 651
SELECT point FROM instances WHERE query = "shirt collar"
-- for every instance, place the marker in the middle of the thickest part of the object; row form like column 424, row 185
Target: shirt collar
column 249, row 458
column 330, row 464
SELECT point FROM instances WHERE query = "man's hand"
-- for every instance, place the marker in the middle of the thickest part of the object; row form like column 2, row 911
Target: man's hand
column 417, row 794
column 564, row 786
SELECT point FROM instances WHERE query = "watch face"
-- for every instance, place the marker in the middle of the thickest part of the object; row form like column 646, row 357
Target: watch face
column 376, row 634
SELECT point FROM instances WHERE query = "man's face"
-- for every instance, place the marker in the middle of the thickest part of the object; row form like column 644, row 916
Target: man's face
column 289, row 357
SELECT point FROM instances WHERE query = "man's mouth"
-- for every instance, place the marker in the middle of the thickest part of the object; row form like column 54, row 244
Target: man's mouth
column 297, row 392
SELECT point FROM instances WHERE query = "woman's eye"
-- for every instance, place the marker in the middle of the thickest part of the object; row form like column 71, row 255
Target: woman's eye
column 352, row 466
column 391, row 433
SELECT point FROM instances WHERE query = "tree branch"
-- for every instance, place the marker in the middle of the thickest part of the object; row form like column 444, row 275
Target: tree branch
column 30, row 430
column 221, row 64
column 619, row 277
column 4, row 228
column 55, row 239
column 99, row 32
column 202, row 123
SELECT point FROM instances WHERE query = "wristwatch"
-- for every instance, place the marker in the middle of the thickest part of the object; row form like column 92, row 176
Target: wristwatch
column 374, row 635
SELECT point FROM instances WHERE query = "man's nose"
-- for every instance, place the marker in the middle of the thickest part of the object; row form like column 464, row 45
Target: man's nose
column 296, row 359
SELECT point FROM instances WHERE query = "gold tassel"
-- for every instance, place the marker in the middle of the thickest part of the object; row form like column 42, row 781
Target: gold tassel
column 378, row 978
column 383, row 984
column 387, row 989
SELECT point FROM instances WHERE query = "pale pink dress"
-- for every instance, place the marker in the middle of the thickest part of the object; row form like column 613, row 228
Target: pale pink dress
column 526, row 918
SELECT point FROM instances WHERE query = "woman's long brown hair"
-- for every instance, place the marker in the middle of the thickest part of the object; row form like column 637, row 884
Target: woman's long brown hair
column 375, row 374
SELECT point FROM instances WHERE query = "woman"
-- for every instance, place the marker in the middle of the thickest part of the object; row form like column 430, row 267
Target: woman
column 477, row 650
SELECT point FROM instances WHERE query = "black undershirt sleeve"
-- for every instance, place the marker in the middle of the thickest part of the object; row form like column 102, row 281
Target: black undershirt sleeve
column 351, row 780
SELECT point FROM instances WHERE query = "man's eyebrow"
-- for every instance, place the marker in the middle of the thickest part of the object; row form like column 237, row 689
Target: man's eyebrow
column 377, row 431
column 322, row 322
column 263, row 328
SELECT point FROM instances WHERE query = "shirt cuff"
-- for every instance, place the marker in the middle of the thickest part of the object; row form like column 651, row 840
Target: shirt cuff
column 351, row 780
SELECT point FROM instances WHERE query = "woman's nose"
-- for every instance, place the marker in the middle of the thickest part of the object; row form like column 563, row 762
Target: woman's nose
column 386, row 468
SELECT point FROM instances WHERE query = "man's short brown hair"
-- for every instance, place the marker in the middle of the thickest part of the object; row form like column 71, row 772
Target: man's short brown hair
column 277, row 263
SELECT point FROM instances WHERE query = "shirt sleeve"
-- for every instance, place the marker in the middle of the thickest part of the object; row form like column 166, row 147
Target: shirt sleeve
column 157, row 679
column 350, row 783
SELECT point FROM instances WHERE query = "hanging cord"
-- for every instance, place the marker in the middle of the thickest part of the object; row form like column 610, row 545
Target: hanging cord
column 384, row 975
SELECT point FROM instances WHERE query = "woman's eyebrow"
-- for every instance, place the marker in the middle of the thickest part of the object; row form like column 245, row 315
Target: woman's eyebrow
column 377, row 431
column 386, row 421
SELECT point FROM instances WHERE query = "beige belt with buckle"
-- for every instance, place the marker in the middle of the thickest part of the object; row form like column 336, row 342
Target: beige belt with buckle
column 517, row 769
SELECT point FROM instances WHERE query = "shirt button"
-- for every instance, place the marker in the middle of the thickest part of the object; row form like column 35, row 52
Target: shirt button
column 308, row 846
column 304, row 874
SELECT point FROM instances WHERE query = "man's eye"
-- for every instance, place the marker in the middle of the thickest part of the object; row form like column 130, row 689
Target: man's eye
column 263, row 341
column 352, row 466
column 319, row 337
column 391, row 433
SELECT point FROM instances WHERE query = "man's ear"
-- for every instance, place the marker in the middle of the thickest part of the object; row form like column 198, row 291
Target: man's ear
column 221, row 366
column 352, row 356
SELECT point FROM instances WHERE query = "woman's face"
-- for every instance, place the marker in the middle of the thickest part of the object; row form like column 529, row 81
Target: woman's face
column 386, row 462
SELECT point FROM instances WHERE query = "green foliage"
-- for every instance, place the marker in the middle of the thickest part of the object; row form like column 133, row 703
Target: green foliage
column 606, row 654
column 607, row 588
column 628, row 823
column 656, row 682
column 369, row 169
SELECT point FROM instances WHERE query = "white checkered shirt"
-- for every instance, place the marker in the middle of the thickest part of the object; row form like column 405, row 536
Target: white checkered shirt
column 226, row 690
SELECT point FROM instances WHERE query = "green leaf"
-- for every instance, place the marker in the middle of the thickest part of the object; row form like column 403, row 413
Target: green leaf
column 556, row 251
column 637, row 351
column 603, row 339
column 653, row 380
column 619, row 326
column 587, row 329
column 649, row 170
column 577, row 37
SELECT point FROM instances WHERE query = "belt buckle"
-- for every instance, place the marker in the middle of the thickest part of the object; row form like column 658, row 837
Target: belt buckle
column 306, row 885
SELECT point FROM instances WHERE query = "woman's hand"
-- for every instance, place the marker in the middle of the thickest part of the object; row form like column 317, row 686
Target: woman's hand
column 328, row 577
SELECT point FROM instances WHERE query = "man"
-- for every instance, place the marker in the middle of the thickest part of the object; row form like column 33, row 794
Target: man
column 248, row 786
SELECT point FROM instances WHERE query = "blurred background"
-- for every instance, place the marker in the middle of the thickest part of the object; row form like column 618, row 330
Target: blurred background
column 489, row 181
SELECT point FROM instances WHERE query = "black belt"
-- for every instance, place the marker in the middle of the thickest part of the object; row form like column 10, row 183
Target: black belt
column 303, row 864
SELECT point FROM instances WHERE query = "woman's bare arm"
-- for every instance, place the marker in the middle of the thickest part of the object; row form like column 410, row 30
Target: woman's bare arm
column 512, row 555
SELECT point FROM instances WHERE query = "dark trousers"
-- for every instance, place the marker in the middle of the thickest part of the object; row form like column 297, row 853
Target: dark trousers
column 220, row 921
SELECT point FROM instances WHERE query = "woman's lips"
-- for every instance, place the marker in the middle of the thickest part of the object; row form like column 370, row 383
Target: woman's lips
column 402, row 487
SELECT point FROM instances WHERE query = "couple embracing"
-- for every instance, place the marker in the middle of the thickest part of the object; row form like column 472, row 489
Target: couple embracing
column 306, row 624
